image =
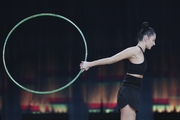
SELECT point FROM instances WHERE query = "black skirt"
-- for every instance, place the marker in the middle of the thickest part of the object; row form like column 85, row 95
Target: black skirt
column 129, row 93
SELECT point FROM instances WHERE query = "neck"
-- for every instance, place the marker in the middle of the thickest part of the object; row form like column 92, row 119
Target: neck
column 142, row 45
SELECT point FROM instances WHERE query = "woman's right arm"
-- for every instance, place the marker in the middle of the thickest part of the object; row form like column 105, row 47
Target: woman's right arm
column 125, row 54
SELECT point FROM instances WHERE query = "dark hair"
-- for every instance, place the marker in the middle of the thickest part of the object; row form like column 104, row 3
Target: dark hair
column 146, row 30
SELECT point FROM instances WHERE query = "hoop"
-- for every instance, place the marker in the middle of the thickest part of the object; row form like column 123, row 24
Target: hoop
column 31, row 17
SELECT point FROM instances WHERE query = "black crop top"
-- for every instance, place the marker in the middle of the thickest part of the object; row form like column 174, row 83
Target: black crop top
column 137, row 68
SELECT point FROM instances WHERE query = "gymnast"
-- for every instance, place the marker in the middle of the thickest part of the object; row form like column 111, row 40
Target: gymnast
column 128, row 97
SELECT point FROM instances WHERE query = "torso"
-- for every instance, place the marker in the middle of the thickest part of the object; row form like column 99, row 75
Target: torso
column 137, row 59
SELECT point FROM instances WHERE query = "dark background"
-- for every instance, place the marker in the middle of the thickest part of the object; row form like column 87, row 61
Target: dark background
column 44, row 54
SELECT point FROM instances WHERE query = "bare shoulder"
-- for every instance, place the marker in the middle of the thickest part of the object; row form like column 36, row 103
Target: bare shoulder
column 133, row 49
column 127, row 53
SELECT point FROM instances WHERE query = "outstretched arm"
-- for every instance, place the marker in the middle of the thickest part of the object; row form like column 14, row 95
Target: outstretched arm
column 125, row 54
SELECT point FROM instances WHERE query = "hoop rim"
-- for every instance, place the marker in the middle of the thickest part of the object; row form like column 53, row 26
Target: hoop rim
column 31, row 17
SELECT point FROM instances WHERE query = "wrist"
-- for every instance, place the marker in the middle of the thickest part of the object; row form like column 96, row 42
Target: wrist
column 90, row 64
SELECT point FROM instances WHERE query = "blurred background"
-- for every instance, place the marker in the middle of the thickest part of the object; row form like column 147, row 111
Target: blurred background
column 44, row 54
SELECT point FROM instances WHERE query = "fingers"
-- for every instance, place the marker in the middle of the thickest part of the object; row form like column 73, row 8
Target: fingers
column 83, row 66
column 84, row 70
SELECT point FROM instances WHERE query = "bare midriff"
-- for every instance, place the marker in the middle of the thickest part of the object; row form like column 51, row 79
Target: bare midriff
column 136, row 75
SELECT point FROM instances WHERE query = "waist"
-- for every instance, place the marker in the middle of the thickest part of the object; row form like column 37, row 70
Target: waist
column 135, row 75
column 132, row 80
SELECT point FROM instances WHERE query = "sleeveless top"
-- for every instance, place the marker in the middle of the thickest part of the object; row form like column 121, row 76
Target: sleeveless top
column 137, row 68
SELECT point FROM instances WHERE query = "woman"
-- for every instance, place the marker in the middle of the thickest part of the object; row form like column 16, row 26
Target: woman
column 129, row 93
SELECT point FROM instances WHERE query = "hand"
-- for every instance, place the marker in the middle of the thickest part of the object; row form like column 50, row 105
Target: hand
column 84, row 66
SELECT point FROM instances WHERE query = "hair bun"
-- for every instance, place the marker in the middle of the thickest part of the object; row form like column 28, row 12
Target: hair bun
column 145, row 25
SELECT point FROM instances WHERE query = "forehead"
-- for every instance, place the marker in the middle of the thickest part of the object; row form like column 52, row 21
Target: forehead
column 153, row 36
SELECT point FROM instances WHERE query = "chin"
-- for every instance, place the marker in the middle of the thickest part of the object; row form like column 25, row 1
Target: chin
column 149, row 48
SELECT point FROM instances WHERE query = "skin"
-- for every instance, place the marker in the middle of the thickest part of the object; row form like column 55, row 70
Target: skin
column 135, row 55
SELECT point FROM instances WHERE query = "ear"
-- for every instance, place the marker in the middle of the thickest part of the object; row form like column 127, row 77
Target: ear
column 145, row 38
